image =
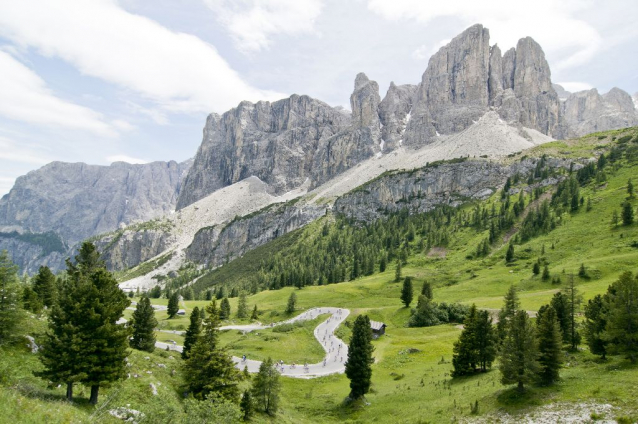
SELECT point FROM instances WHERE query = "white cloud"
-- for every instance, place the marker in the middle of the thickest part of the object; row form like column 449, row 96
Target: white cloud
column 252, row 23
column 125, row 158
column 25, row 97
column 16, row 152
column 178, row 71
column 551, row 23
column 574, row 86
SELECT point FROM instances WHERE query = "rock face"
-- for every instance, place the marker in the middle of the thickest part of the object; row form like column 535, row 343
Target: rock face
column 30, row 257
column 588, row 111
column 214, row 245
column 76, row 200
column 394, row 113
column 286, row 143
column 126, row 249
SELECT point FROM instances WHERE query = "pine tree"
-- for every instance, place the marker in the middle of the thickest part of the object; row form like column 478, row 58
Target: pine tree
column 383, row 263
column 519, row 353
column 173, row 305
column 397, row 272
column 486, row 340
column 44, row 284
column 144, row 324
column 85, row 343
column 426, row 290
column 464, row 359
column 406, row 292
column 192, row 334
column 208, row 368
column 559, row 303
column 31, row 301
column 255, row 314
column 266, row 387
column 546, row 275
column 595, row 325
column 292, row 303
column 572, row 303
column 358, row 366
column 536, row 269
column 549, row 347
column 506, row 314
column 224, row 309
column 509, row 256
column 246, row 405
column 627, row 214
column 622, row 316
column 614, row 218
column 242, row 305
column 10, row 314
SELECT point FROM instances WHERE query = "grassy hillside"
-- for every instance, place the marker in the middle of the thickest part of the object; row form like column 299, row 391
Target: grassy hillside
column 411, row 376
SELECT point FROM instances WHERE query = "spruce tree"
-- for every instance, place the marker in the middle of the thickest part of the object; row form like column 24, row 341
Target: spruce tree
column 549, row 347
column 44, row 284
column 31, row 301
column 426, row 290
column 209, row 369
column 595, row 325
column 292, row 303
column 10, row 314
column 242, row 306
column 224, row 309
column 397, row 272
column 143, row 325
column 546, row 275
column 173, row 305
column 627, row 214
column 192, row 334
column 622, row 316
column 255, row 314
column 509, row 255
column 406, row 292
column 464, row 359
column 519, row 353
column 486, row 340
column 358, row 366
column 246, row 405
column 266, row 387
column 559, row 303
column 572, row 304
column 84, row 342
column 506, row 314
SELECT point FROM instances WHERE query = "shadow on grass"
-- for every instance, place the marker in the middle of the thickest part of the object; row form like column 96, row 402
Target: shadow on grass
column 34, row 392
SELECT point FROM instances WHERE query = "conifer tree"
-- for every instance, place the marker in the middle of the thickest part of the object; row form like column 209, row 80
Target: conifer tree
column 358, row 366
column 509, row 255
column 31, row 301
column 266, row 387
column 406, row 292
column 559, row 303
column 246, row 405
column 630, row 189
column 208, row 368
column 627, row 214
column 44, row 284
column 224, row 309
column 10, row 314
column 486, row 340
column 476, row 347
column 426, row 290
column 242, row 305
column 536, row 269
column 546, row 275
column 192, row 333
column 85, row 343
column 144, row 324
column 549, row 347
column 519, row 353
column 614, row 218
column 292, row 303
column 255, row 314
column 397, row 272
column 572, row 307
column 595, row 325
column 173, row 305
column 622, row 316
column 506, row 314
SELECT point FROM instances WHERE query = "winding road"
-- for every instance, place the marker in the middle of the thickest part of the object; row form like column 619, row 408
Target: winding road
column 335, row 348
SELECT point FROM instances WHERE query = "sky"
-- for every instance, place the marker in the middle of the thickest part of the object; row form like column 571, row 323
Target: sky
column 99, row 81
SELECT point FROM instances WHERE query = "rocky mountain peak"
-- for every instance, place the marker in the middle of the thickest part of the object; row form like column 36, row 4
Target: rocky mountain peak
column 364, row 101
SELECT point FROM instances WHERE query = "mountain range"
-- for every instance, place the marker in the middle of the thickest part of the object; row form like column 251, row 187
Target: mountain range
column 264, row 169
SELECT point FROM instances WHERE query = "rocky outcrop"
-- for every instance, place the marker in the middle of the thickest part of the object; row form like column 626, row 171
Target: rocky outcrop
column 394, row 113
column 76, row 200
column 128, row 248
column 30, row 256
column 588, row 111
column 215, row 246
column 453, row 91
column 562, row 93
column 286, row 143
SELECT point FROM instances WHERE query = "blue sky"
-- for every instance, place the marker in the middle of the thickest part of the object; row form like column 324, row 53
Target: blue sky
column 104, row 80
